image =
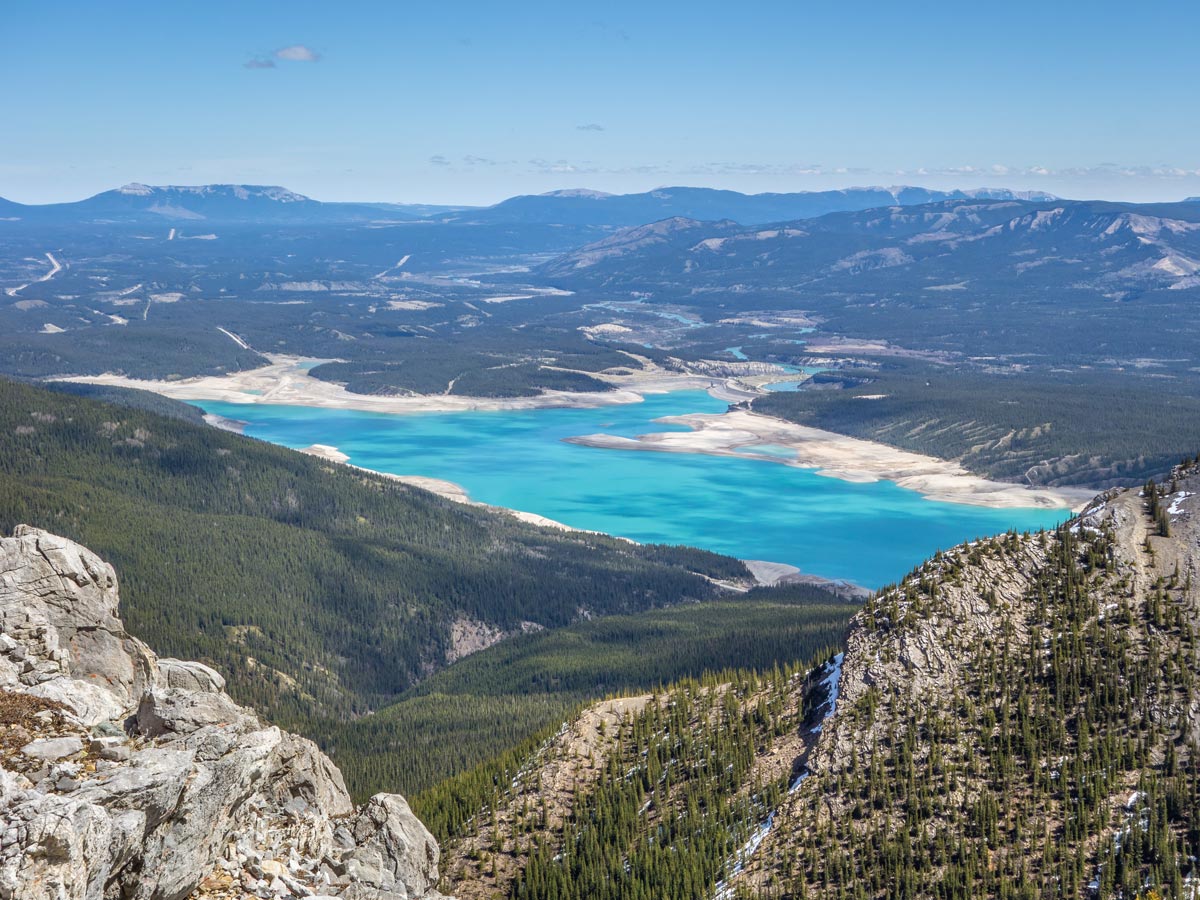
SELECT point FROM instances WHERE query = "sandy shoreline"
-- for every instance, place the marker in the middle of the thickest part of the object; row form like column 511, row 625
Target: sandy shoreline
column 286, row 381
column 740, row 433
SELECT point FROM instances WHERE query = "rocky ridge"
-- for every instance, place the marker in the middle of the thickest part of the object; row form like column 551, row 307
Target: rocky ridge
column 1018, row 717
column 124, row 776
column 1005, row 716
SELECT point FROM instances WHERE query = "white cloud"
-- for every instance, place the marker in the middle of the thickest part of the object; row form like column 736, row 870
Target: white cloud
column 1105, row 170
column 298, row 53
column 752, row 168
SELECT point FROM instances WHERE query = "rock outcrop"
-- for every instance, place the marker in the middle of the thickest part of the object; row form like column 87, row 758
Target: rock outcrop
column 133, row 777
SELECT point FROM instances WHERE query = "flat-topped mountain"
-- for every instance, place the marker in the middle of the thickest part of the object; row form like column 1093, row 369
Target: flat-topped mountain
column 191, row 204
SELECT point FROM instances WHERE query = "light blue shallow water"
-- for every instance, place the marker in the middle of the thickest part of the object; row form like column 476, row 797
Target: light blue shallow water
column 870, row 534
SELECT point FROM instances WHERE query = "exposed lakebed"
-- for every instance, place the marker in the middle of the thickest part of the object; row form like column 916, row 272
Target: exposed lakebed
column 751, row 508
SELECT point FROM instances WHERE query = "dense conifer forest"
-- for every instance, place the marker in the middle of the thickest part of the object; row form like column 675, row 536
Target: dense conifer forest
column 317, row 588
column 1017, row 719
column 479, row 708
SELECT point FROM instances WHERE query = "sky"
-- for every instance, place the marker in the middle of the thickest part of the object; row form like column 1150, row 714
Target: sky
column 463, row 102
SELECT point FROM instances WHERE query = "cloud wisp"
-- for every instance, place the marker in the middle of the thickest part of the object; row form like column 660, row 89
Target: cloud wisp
column 1104, row 170
column 293, row 53
column 298, row 53
column 591, row 126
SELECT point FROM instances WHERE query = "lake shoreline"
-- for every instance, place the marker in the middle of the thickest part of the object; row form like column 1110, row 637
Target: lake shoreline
column 737, row 433
column 764, row 573
column 286, row 381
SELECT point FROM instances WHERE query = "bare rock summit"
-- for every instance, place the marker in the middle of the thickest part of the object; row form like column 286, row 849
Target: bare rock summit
column 128, row 777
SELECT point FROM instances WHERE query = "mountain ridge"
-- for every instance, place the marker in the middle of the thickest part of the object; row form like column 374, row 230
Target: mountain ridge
column 1155, row 244
column 222, row 203
column 1018, row 717
column 137, row 202
column 584, row 207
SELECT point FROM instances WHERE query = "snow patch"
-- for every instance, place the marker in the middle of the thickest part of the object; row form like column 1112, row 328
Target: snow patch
column 832, row 683
column 1176, row 508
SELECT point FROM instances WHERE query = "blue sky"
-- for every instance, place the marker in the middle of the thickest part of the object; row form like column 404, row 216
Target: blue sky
column 472, row 102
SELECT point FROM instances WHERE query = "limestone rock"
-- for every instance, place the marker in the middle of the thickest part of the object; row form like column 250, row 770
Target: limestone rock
column 189, row 676
column 143, row 780
column 58, row 603
column 394, row 851
column 51, row 749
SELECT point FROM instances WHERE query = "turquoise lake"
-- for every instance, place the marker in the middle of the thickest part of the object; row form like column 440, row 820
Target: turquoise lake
column 870, row 534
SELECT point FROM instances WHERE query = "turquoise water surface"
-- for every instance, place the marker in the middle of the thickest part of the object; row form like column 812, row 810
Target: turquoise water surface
column 870, row 534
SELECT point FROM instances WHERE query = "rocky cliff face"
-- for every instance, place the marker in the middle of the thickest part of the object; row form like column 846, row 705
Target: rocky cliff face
column 133, row 777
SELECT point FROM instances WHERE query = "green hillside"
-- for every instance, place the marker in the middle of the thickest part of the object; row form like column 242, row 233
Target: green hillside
column 318, row 589
column 492, row 701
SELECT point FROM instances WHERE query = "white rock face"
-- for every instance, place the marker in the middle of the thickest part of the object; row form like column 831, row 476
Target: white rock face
column 138, row 778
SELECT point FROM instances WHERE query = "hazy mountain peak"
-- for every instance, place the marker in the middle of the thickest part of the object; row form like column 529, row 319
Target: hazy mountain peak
column 136, row 189
column 236, row 191
column 579, row 193
column 228, row 203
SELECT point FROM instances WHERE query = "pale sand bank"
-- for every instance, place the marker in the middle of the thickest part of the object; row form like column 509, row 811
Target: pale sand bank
column 225, row 424
column 773, row 574
column 286, row 381
column 739, row 433
column 769, row 573
column 324, row 451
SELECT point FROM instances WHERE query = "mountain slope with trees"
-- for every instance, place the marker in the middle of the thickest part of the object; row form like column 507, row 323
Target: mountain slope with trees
column 1018, row 718
column 319, row 589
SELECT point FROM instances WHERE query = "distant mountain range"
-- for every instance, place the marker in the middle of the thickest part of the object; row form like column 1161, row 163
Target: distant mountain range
column 1057, row 280
column 237, row 203
column 1105, row 245
column 581, row 207
column 228, row 203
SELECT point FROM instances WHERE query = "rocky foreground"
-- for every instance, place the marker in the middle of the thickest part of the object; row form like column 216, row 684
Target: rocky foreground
column 123, row 775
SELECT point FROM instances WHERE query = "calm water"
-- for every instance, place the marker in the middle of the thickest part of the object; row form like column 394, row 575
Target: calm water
column 753, row 509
